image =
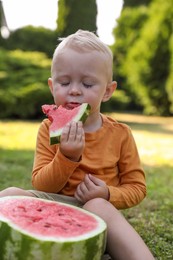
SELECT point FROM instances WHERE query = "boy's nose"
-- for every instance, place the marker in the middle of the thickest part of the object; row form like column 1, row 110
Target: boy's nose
column 75, row 90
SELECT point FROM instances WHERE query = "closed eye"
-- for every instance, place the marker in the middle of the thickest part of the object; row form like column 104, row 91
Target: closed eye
column 87, row 85
column 64, row 83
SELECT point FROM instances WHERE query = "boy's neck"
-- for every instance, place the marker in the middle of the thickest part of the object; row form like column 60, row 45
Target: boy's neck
column 93, row 123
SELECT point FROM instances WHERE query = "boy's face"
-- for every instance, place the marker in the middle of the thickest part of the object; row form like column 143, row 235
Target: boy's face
column 79, row 78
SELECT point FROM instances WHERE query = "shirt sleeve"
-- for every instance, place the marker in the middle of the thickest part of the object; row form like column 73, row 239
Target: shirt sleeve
column 132, row 186
column 51, row 169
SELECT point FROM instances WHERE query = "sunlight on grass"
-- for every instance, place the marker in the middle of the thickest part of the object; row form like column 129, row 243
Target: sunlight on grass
column 16, row 135
column 154, row 149
column 153, row 135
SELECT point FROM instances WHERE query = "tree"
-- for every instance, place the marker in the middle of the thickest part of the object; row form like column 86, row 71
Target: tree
column 133, row 3
column 126, row 33
column 149, row 60
column 74, row 15
column 145, row 57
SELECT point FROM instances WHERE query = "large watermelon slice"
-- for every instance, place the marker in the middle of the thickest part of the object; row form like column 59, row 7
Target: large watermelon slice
column 60, row 116
column 37, row 229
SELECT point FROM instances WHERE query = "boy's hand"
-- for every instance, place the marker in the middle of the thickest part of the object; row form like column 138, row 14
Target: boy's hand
column 91, row 188
column 72, row 141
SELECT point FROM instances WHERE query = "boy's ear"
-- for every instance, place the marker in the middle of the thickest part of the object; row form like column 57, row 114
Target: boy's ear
column 50, row 85
column 109, row 91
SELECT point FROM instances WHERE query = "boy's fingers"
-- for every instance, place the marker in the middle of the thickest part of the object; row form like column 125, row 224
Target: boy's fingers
column 88, row 183
column 83, row 188
column 80, row 193
column 77, row 196
column 65, row 133
column 79, row 131
column 96, row 181
column 72, row 132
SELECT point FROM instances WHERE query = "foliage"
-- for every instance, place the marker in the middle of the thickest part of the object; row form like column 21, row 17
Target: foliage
column 149, row 61
column 126, row 33
column 74, row 15
column 23, row 88
column 133, row 3
column 154, row 137
column 169, row 82
column 118, row 102
column 144, row 58
column 31, row 38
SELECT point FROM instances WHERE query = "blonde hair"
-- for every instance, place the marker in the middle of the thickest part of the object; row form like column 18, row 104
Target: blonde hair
column 85, row 41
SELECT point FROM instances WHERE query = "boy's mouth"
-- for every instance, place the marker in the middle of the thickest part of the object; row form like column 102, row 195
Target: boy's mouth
column 72, row 105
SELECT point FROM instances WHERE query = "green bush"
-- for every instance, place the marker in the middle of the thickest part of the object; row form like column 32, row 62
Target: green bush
column 143, row 56
column 147, row 65
column 29, row 100
column 31, row 38
column 23, row 86
column 23, row 83
column 118, row 102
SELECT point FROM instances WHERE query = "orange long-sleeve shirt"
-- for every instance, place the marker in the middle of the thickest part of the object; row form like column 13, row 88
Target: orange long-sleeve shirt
column 110, row 154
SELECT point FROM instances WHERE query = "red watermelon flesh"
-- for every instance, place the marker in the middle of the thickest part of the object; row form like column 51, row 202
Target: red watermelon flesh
column 33, row 228
column 50, row 219
column 61, row 116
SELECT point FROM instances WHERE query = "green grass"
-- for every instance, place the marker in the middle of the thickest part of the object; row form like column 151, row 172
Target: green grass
column 153, row 218
column 17, row 143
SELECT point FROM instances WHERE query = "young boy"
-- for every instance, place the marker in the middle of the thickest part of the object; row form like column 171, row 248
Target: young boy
column 96, row 165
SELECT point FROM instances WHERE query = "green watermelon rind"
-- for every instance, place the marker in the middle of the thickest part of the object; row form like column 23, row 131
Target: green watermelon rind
column 82, row 116
column 17, row 244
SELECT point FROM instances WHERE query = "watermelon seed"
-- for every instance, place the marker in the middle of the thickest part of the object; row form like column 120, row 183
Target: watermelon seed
column 35, row 219
column 39, row 210
column 47, row 225
column 79, row 225
column 60, row 214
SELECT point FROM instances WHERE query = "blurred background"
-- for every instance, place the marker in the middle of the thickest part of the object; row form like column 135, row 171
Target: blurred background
column 140, row 35
column 138, row 32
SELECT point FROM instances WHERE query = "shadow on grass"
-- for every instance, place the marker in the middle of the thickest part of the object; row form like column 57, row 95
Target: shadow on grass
column 15, row 168
column 163, row 125
column 150, row 127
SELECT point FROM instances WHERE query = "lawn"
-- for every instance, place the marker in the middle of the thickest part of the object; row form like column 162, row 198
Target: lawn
column 153, row 218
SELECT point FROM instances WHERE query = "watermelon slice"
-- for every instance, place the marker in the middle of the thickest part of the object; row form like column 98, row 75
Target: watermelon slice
column 32, row 228
column 60, row 116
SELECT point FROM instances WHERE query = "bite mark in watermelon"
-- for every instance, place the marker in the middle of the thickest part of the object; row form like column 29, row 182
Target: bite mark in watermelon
column 32, row 228
column 60, row 117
